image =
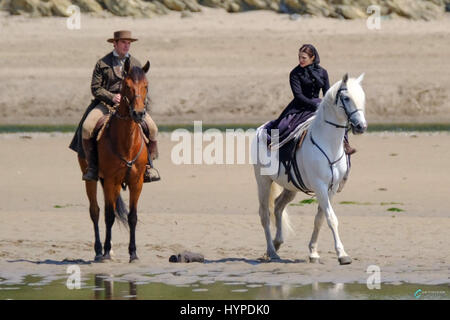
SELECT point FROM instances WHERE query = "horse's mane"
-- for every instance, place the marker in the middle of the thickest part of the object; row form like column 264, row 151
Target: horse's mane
column 136, row 74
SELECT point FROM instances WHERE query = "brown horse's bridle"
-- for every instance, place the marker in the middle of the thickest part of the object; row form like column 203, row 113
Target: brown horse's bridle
column 130, row 107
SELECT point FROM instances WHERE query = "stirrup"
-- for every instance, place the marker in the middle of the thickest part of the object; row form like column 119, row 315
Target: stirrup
column 148, row 177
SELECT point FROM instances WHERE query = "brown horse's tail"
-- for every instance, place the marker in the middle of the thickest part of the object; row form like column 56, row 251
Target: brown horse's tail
column 121, row 210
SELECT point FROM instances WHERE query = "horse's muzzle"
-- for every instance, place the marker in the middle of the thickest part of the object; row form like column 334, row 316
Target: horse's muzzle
column 359, row 128
column 137, row 116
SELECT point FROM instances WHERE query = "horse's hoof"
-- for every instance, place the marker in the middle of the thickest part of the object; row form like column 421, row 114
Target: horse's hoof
column 345, row 260
column 314, row 260
column 106, row 258
column 134, row 259
column 98, row 258
column 274, row 257
column 269, row 258
column 277, row 244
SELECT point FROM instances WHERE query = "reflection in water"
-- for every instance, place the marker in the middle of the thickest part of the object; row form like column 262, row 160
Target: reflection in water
column 107, row 286
column 334, row 291
column 133, row 290
column 317, row 290
column 275, row 292
column 106, row 282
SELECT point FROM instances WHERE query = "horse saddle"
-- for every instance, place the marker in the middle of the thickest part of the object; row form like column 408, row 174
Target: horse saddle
column 103, row 123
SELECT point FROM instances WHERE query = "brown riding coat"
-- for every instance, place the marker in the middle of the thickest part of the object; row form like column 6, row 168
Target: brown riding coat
column 107, row 77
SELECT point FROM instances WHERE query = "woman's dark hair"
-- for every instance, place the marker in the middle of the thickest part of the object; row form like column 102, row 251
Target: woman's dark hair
column 311, row 51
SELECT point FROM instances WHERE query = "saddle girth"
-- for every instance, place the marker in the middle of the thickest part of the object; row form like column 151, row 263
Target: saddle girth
column 291, row 163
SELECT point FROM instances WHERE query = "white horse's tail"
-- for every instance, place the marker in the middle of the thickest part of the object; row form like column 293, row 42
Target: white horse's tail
column 286, row 226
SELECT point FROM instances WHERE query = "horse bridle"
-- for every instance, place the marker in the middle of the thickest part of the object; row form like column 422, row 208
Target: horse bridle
column 344, row 106
column 130, row 106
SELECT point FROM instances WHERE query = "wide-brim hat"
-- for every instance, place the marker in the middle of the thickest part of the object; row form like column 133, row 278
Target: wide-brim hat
column 122, row 35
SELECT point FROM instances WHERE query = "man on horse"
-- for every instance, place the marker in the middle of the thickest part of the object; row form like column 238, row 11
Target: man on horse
column 106, row 86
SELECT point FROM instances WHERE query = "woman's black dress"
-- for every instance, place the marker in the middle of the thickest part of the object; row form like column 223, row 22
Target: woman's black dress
column 306, row 84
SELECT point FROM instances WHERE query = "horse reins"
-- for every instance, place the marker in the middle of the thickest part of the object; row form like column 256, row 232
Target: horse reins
column 329, row 161
column 130, row 164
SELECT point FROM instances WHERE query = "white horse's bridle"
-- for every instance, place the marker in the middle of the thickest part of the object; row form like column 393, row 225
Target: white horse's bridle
column 344, row 105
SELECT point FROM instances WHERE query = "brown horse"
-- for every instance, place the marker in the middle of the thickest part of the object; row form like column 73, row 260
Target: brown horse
column 122, row 157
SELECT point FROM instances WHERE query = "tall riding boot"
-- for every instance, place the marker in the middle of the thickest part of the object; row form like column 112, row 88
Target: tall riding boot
column 90, row 150
column 347, row 148
column 151, row 174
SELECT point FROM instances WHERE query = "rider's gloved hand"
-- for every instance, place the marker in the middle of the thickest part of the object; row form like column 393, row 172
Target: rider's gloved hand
column 317, row 101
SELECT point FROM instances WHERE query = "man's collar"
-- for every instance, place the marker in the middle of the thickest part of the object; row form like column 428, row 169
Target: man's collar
column 117, row 55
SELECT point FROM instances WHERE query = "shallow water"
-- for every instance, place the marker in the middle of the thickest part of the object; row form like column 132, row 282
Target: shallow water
column 105, row 287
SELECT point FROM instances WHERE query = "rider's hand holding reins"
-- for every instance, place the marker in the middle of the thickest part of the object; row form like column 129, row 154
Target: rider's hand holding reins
column 117, row 98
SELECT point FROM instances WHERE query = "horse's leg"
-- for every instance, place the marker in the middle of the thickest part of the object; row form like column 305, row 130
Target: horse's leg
column 280, row 203
column 94, row 210
column 264, row 184
column 318, row 221
column 324, row 202
column 111, row 192
column 135, row 192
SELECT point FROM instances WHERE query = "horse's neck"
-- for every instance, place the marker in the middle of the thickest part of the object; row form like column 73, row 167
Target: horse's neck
column 123, row 134
column 122, row 109
column 326, row 135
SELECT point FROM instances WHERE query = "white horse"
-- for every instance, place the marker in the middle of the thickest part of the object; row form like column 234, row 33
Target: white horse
column 321, row 163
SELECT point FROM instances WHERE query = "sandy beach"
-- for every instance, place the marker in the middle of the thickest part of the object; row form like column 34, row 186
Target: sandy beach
column 394, row 212
column 212, row 209
column 224, row 68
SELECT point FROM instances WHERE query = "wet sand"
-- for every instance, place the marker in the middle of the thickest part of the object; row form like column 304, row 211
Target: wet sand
column 212, row 209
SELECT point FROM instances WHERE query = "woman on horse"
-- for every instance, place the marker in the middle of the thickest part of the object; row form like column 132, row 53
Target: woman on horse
column 306, row 80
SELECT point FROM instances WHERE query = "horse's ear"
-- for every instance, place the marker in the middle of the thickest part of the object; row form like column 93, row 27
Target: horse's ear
column 127, row 66
column 345, row 78
column 146, row 67
column 360, row 78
